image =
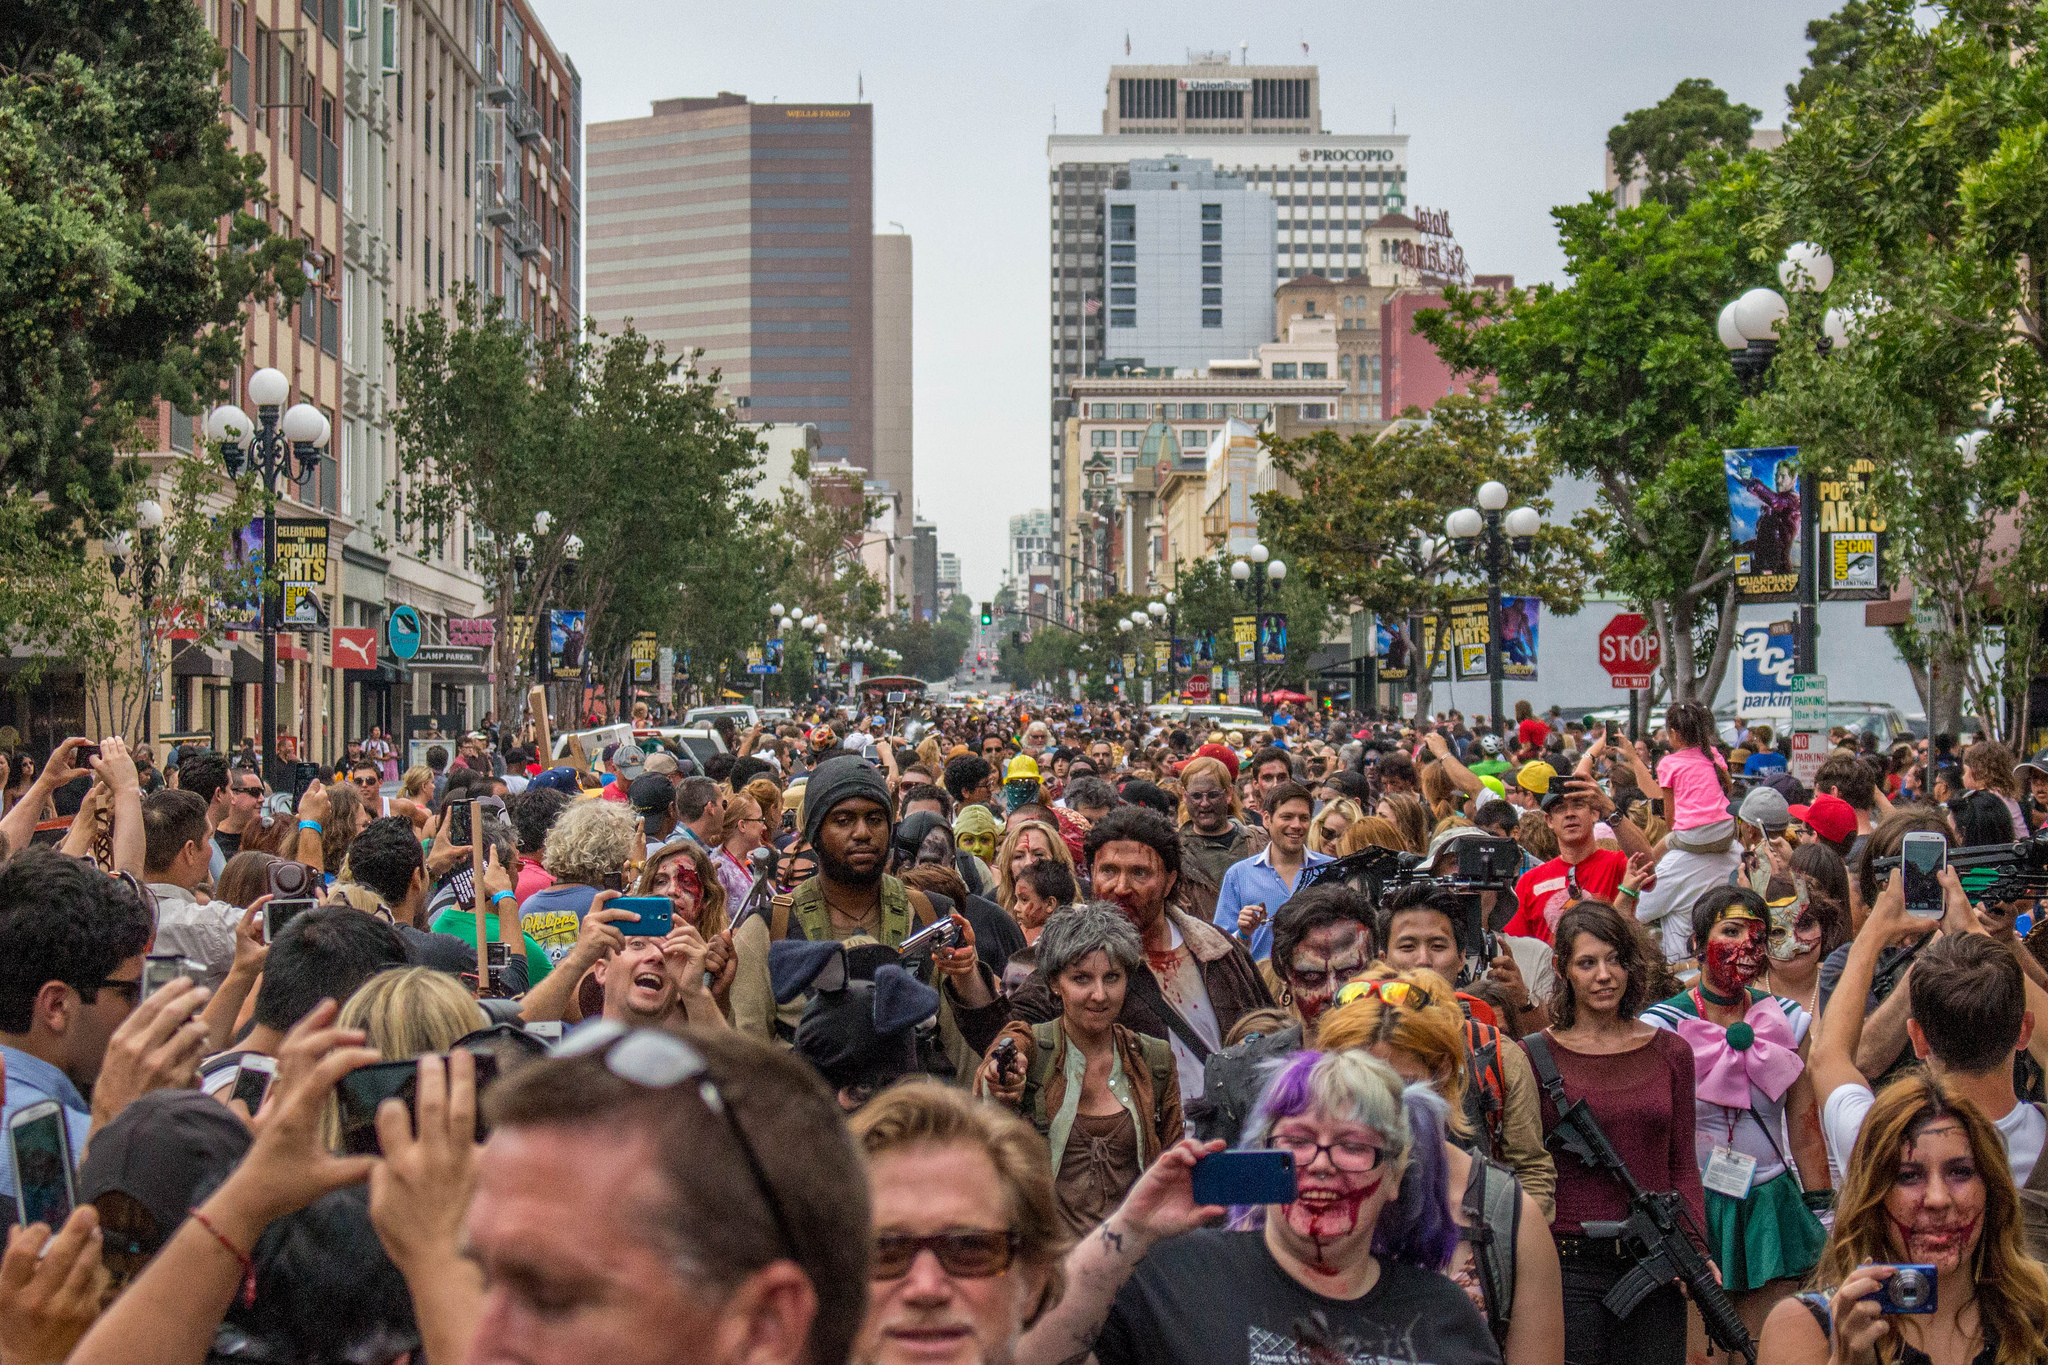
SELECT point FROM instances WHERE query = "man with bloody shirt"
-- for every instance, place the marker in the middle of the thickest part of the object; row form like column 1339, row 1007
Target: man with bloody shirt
column 1581, row 870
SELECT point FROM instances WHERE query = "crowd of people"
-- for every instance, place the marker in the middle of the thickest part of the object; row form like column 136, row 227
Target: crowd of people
column 922, row 1035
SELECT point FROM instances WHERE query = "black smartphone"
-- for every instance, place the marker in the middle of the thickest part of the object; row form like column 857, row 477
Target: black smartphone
column 360, row 1092
column 464, row 884
column 1923, row 855
column 279, row 912
column 253, row 1075
column 1253, row 1177
column 459, row 821
column 304, row 775
column 40, row 1144
column 82, row 757
column 657, row 916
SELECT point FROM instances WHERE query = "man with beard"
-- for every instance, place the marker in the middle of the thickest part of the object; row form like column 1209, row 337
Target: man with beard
column 1213, row 834
column 1322, row 939
column 1754, row 1115
column 848, row 826
column 1201, row 981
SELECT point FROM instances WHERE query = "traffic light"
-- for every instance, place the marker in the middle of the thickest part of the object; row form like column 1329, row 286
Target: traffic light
column 988, row 616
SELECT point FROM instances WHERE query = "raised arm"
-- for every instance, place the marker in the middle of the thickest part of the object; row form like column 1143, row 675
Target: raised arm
column 1832, row 1060
column 1447, row 758
column 116, row 768
column 20, row 821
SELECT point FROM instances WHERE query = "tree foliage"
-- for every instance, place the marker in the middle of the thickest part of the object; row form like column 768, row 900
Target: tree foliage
column 1368, row 525
column 1680, row 141
column 1624, row 382
column 1841, row 44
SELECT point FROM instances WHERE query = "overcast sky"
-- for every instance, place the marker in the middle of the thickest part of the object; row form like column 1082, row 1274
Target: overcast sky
column 1506, row 103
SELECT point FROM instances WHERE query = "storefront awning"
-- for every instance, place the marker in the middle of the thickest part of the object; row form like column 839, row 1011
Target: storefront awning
column 202, row 661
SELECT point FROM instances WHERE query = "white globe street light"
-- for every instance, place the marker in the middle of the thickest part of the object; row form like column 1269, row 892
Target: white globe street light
column 1806, row 268
column 1464, row 523
column 1157, row 610
column 1836, row 324
column 1240, row 570
column 228, row 423
column 1523, row 523
column 1277, row 570
column 1758, row 313
column 542, row 521
column 1493, row 495
column 149, row 515
column 269, row 388
column 1725, row 328
column 1259, row 553
column 302, row 423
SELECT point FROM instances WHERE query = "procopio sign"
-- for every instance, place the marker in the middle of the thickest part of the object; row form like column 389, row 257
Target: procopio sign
column 1347, row 154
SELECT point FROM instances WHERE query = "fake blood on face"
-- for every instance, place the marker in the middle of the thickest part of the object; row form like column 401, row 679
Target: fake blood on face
column 1323, row 1221
column 1733, row 963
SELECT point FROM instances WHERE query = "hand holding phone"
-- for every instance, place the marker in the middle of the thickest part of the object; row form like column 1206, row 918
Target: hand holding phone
column 1923, row 855
column 1245, row 1177
column 657, row 916
column 39, row 1142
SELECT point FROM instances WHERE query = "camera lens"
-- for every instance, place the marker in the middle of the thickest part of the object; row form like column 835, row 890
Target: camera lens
column 1909, row 1289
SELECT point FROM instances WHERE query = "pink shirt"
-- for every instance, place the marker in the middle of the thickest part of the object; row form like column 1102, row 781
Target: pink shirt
column 1696, row 795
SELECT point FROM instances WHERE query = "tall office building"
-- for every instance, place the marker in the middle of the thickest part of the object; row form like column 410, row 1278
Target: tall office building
column 1190, row 271
column 1261, row 124
column 747, row 230
column 892, row 465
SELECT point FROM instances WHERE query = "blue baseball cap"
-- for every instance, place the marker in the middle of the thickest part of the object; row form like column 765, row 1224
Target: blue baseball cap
column 561, row 780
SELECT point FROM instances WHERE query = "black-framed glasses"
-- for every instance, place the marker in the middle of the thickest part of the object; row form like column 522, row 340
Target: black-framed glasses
column 658, row 1061
column 132, row 990
column 964, row 1253
column 1346, row 1154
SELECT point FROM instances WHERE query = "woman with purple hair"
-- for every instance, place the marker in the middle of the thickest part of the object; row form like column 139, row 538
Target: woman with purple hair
column 1350, row 1269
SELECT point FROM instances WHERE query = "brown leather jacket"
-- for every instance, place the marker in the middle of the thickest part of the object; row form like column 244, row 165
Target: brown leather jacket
column 1159, row 1100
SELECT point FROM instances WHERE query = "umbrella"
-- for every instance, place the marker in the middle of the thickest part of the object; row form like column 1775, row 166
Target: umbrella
column 1285, row 695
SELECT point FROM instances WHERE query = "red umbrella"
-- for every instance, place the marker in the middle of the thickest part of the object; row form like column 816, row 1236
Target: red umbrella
column 1285, row 695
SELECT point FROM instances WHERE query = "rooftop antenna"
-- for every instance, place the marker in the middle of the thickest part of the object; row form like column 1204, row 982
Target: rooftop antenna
column 1244, row 52
column 1397, row 118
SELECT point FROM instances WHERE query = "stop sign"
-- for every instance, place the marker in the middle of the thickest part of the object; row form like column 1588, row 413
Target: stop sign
column 1629, row 650
column 1198, row 687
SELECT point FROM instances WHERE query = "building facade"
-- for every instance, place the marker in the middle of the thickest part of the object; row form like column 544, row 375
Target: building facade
column 1190, row 266
column 894, row 469
column 746, row 231
column 1262, row 125
column 1032, row 555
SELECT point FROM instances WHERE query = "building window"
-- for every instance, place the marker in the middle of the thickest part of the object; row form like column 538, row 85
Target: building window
column 1315, row 369
column 1212, row 298
column 1283, row 369
column 1123, row 222
column 1130, row 464
column 1189, row 439
column 1102, row 438
column 1255, row 412
column 1212, row 317
column 1134, row 412
column 1123, row 317
column 1123, row 296
column 1344, row 366
column 1101, row 410
column 1212, row 255
column 1212, row 213
column 1315, row 412
column 1194, row 412
column 1123, row 274
column 1375, row 374
column 1212, row 232
column 1132, row 439
column 1212, row 274
column 1167, row 411
column 1123, row 253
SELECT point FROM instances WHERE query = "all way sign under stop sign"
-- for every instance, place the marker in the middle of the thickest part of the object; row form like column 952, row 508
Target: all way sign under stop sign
column 1629, row 651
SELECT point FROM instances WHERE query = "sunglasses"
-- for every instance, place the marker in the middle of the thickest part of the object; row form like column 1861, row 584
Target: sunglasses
column 969, row 1254
column 255, row 791
column 1399, row 994
column 367, row 781
column 659, row 1061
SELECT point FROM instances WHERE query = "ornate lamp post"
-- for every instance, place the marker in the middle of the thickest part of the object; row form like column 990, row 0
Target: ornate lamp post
column 1276, row 571
column 270, row 445
column 142, row 557
column 1495, row 535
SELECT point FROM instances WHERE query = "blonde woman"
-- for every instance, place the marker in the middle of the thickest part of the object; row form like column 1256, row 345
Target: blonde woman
column 1409, row 818
column 406, row 1012
column 1031, row 842
column 415, row 790
column 1326, row 832
column 1370, row 831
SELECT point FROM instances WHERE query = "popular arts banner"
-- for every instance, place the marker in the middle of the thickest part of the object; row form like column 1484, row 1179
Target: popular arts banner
column 1471, row 633
column 1765, row 525
column 1469, row 638
column 1851, row 537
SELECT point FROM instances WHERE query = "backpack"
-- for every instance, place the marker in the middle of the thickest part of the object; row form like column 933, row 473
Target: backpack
column 1045, row 1038
column 1493, row 1221
column 1486, row 1096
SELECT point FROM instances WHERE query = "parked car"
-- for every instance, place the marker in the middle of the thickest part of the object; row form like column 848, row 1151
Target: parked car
column 744, row 718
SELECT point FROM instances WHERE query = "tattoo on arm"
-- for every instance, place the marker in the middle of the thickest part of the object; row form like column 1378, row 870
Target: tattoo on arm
column 1114, row 1241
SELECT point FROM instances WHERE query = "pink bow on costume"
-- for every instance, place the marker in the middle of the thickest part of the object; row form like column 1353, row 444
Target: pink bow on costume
column 1756, row 1050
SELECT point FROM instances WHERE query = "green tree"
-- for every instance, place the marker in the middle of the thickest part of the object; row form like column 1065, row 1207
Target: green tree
column 1621, row 376
column 1841, row 44
column 1680, row 141
column 129, row 259
column 1923, row 169
column 1367, row 526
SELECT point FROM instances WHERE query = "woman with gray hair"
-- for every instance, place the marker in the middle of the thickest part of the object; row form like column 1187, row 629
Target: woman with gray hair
column 1106, row 1098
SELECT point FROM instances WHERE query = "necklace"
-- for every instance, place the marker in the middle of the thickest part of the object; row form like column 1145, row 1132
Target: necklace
column 1811, row 1003
column 861, row 916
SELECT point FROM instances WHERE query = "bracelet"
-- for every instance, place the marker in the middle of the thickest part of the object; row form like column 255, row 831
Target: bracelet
column 248, row 1291
column 313, row 825
column 501, row 896
column 1628, row 891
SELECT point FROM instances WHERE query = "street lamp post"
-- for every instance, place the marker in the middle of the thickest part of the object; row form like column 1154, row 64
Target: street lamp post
column 1276, row 571
column 148, row 566
column 1496, row 534
column 1749, row 327
column 1166, row 611
column 270, row 445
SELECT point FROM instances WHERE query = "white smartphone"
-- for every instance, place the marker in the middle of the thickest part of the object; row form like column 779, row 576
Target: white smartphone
column 253, row 1075
column 39, row 1140
column 1923, row 855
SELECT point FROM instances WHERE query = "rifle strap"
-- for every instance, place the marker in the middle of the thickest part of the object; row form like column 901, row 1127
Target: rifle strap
column 1545, row 1067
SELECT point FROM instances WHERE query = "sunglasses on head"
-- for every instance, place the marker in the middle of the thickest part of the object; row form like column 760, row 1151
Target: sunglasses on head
column 1400, row 994
column 965, row 1254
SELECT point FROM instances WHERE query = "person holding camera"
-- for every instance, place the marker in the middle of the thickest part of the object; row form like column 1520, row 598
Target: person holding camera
column 1582, row 870
column 1107, row 1099
column 1925, row 1265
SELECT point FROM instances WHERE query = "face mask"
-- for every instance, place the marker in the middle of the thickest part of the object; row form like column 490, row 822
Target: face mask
column 1785, row 919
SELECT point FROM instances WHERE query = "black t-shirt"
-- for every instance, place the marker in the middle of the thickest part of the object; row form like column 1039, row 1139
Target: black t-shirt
column 1218, row 1298
column 230, row 844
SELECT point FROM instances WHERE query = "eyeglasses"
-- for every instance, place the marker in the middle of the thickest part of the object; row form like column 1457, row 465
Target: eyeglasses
column 130, row 989
column 966, row 1254
column 1348, row 1155
column 1399, row 994
column 255, row 791
column 659, row 1061
column 142, row 892
column 367, row 781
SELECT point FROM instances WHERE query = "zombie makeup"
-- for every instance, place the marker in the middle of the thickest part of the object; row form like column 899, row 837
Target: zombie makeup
column 1795, row 929
column 1320, row 966
column 1339, row 1181
column 1935, row 1207
column 1733, row 962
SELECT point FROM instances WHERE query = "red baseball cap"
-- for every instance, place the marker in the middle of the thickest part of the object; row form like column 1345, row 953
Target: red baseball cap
column 1532, row 731
column 1829, row 816
column 1223, row 754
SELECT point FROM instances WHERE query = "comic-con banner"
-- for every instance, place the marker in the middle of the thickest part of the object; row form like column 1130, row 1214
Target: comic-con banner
column 1766, row 526
column 1392, row 650
column 1470, row 635
column 1851, row 536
